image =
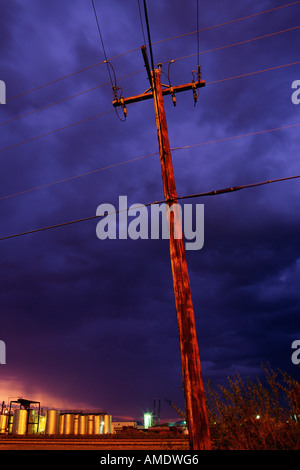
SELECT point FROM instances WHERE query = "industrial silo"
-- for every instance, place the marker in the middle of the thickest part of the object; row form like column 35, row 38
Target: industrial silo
column 10, row 423
column 68, row 423
column 52, row 421
column 61, row 424
column 90, row 424
column 107, row 424
column 3, row 423
column 97, row 420
column 32, row 422
column 41, row 424
column 76, row 424
column 20, row 422
column 82, row 424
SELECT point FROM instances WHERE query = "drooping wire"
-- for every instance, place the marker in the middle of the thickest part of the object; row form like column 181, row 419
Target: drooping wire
column 110, row 69
column 102, row 42
column 141, row 19
column 154, row 43
column 169, row 81
column 117, row 92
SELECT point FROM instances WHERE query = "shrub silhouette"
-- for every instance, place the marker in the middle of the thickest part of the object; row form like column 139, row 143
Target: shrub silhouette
column 251, row 415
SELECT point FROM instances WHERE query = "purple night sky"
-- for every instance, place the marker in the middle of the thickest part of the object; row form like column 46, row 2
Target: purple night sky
column 91, row 323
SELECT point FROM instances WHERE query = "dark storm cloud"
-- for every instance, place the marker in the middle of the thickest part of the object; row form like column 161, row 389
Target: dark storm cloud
column 94, row 322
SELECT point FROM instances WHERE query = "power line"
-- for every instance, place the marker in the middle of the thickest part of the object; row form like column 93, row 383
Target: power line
column 56, row 130
column 139, row 71
column 70, row 75
column 198, row 38
column 237, row 43
column 178, row 58
column 240, row 136
column 226, row 23
column 62, row 180
column 149, row 38
column 237, row 188
column 155, row 94
column 102, row 43
column 107, row 112
column 154, row 43
column 109, row 66
column 190, row 196
column 252, row 73
column 67, row 98
column 141, row 20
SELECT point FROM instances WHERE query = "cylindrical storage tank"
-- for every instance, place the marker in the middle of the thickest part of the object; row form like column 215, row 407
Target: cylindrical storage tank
column 41, row 424
column 68, row 424
column 97, row 420
column 10, row 423
column 61, row 424
column 52, row 420
column 32, row 422
column 107, row 424
column 3, row 423
column 20, row 422
column 90, row 424
column 102, row 424
column 76, row 424
column 82, row 424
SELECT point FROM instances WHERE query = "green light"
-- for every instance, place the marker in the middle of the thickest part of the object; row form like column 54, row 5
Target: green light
column 147, row 420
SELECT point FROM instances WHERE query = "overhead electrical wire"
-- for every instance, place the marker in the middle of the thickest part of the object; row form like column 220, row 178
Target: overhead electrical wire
column 225, row 23
column 190, row 196
column 141, row 20
column 62, row 180
column 198, row 36
column 215, row 192
column 70, row 178
column 237, row 43
column 149, row 39
column 155, row 96
column 154, row 43
column 240, row 136
column 139, row 71
column 67, row 98
column 248, row 74
column 69, row 75
column 138, row 158
column 56, row 130
column 102, row 43
column 110, row 111
column 113, row 79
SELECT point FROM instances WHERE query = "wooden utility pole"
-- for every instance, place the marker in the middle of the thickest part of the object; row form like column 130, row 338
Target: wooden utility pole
column 196, row 413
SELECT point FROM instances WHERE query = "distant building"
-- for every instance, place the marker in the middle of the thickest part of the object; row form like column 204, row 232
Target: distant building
column 123, row 425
